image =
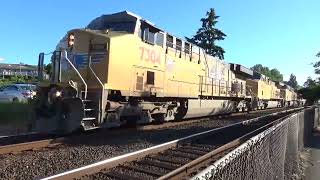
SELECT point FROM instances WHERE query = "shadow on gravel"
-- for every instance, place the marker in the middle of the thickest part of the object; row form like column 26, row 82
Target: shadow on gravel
column 132, row 136
column 154, row 135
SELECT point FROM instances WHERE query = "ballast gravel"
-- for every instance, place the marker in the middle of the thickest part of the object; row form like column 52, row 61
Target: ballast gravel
column 95, row 147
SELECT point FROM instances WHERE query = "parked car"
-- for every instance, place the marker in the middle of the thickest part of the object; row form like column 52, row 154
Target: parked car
column 29, row 89
column 16, row 92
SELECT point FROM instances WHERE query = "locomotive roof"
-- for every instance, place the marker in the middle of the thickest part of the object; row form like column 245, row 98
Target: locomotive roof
column 237, row 68
column 124, row 16
column 127, row 16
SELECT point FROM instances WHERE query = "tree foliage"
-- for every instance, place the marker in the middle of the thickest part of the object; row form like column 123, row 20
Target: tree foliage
column 293, row 81
column 311, row 94
column 17, row 79
column 317, row 65
column 310, row 83
column 48, row 69
column 311, row 90
column 208, row 35
column 274, row 73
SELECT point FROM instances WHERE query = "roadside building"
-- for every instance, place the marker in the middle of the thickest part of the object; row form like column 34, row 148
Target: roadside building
column 7, row 70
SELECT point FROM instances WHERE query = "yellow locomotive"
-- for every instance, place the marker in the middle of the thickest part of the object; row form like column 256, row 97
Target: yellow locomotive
column 289, row 96
column 265, row 91
column 123, row 69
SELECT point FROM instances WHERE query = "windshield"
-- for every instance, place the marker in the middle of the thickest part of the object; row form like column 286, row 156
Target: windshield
column 27, row 87
column 113, row 26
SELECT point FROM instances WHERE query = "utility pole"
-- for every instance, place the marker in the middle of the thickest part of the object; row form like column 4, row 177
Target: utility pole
column 20, row 65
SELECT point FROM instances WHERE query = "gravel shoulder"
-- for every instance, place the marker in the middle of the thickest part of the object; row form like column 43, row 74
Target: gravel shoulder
column 312, row 160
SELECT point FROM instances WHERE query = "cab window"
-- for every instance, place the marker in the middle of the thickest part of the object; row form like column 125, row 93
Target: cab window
column 186, row 48
column 151, row 34
column 121, row 25
column 169, row 42
column 178, row 44
column 160, row 39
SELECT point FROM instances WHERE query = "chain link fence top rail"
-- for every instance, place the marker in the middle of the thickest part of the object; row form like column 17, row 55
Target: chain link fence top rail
column 272, row 154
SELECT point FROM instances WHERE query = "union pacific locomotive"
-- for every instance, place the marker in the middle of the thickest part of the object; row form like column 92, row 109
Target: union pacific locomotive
column 122, row 69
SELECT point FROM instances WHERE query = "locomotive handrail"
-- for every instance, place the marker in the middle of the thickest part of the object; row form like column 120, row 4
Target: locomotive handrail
column 102, row 92
column 78, row 73
column 205, row 59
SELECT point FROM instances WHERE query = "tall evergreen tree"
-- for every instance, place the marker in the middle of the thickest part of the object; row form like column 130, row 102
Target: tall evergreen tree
column 207, row 36
column 293, row 81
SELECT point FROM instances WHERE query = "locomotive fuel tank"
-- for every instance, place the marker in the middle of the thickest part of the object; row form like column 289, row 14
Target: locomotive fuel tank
column 205, row 107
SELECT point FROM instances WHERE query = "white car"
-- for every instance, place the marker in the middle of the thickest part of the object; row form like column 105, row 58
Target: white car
column 16, row 93
column 29, row 89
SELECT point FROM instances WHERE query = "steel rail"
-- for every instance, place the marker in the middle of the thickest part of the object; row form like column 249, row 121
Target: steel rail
column 23, row 137
column 115, row 161
column 16, row 148
column 50, row 142
column 190, row 167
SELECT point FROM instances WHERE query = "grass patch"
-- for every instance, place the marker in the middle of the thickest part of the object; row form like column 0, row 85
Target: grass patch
column 15, row 113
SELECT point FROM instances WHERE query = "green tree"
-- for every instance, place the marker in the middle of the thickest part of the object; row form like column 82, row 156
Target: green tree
column 311, row 94
column 311, row 90
column 310, row 83
column 208, row 35
column 293, row 81
column 48, row 69
column 274, row 73
column 317, row 65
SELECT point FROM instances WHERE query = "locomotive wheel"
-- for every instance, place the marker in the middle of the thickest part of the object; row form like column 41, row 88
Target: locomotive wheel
column 180, row 115
column 159, row 118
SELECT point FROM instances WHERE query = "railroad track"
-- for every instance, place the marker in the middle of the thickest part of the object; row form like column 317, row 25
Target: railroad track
column 178, row 159
column 35, row 141
column 33, row 145
column 22, row 138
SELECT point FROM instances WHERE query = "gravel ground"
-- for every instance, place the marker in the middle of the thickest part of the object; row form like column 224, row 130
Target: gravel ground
column 91, row 148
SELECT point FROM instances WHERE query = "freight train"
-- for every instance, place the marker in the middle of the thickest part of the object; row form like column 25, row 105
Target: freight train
column 122, row 69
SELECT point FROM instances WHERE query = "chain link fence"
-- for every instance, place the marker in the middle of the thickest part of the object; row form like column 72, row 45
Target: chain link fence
column 272, row 154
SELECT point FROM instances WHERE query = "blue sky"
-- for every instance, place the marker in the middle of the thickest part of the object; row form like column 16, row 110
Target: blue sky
column 284, row 34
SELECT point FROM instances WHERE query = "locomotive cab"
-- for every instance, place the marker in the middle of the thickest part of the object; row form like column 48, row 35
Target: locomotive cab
column 76, row 94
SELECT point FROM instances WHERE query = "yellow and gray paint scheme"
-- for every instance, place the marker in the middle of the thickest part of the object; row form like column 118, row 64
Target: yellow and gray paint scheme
column 123, row 69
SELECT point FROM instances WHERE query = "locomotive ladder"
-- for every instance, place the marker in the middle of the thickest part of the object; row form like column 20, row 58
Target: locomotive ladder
column 102, row 95
column 90, row 117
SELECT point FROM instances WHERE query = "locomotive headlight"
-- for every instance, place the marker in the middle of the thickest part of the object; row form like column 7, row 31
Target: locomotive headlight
column 71, row 39
column 58, row 93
